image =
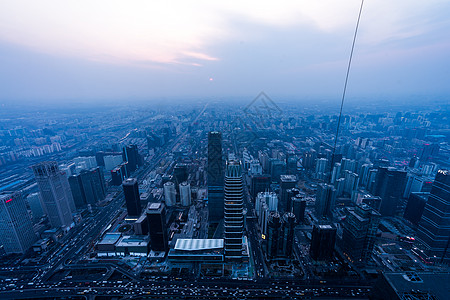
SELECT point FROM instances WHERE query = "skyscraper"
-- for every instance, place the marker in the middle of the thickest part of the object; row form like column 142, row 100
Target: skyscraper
column 322, row 242
column 415, row 207
column 434, row 226
column 156, row 216
column 273, row 234
column 55, row 192
column 88, row 187
column 360, row 228
column 325, row 200
column 35, row 205
column 215, row 177
column 16, row 230
column 132, row 198
column 185, row 194
column 287, row 239
column 389, row 185
column 259, row 183
column 286, row 182
column 170, row 193
column 131, row 155
column 234, row 219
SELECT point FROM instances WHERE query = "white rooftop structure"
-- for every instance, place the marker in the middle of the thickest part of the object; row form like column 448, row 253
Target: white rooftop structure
column 198, row 244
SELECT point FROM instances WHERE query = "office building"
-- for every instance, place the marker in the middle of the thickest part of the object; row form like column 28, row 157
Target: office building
column 131, row 155
column 298, row 208
column 55, row 193
column 269, row 198
column 180, row 173
column 35, row 206
column 215, row 177
column 434, row 226
column 16, row 230
column 88, row 187
column 416, row 183
column 360, row 228
column 389, row 185
column 322, row 242
column 321, row 168
column 141, row 225
column 156, row 216
column 84, row 163
column 291, row 193
column 170, row 194
column 415, row 207
column 429, row 152
column 325, row 200
column 185, row 194
column 286, row 182
column 132, row 199
column 309, row 160
column 119, row 174
column 287, row 238
column 273, row 234
column 112, row 161
column 259, row 183
column 234, row 219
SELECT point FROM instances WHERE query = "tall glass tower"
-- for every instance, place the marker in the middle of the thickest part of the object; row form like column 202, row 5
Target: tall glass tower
column 234, row 219
column 16, row 230
column 215, row 177
column 55, row 191
column 434, row 226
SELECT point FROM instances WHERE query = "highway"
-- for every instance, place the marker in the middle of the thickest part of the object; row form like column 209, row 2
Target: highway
column 188, row 290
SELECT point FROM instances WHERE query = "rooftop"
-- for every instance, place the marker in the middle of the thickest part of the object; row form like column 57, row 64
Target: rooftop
column 110, row 238
column 198, row 244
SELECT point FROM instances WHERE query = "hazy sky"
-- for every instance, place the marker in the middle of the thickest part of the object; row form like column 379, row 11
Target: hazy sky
column 99, row 50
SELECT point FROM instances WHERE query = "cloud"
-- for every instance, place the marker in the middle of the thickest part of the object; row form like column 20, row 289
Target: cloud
column 174, row 32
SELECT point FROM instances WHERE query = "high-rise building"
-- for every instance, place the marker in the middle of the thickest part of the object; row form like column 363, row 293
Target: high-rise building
column 322, row 242
column 156, row 216
column 429, row 151
column 415, row 207
column 170, row 194
column 131, row 155
column 35, row 205
column 360, row 228
column 55, row 193
column 273, row 234
column 234, row 219
column 389, row 185
column 112, row 161
column 291, row 194
column 351, row 182
column 88, row 187
column 84, row 163
column 325, row 200
column 180, row 173
column 287, row 240
column 298, row 208
column 132, row 198
column 269, row 198
column 259, row 183
column 434, row 226
column 277, row 168
column 119, row 174
column 16, row 230
column 215, row 177
column 321, row 168
column 286, row 182
column 185, row 194
column 309, row 159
